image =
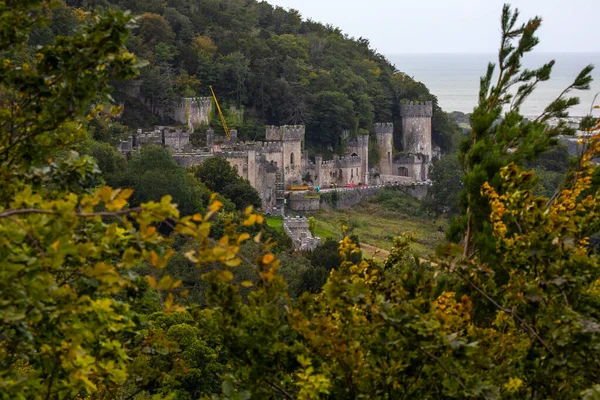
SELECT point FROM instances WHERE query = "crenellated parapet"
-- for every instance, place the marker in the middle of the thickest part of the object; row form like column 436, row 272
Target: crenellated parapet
column 285, row 133
column 384, row 128
column 359, row 141
column 416, row 109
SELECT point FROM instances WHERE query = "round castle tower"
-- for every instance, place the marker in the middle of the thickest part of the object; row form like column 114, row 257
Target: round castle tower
column 416, row 128
column 385, row 138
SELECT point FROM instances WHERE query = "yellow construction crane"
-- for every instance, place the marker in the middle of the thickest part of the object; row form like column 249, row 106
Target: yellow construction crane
column 225, row 128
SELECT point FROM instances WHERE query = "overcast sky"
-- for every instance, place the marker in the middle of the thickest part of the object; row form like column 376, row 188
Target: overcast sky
column 454, row 26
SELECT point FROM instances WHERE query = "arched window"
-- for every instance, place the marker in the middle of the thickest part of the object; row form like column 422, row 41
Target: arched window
column 353, row 155
column 351, row 173
column 292, row 158
column 402, row 171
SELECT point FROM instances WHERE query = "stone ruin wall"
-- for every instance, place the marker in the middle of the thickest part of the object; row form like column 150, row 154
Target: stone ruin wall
column 297, row 230
column 193, row 112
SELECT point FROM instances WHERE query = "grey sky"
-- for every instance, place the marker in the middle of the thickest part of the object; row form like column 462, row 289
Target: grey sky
column 454, row 26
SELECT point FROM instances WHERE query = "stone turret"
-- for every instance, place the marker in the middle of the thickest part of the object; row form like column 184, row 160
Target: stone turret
column 360, row 147
column 384, row 133
column 291, row 137
column 416, row 128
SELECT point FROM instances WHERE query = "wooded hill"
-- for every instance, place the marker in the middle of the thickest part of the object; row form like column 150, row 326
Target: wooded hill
column 276, row 66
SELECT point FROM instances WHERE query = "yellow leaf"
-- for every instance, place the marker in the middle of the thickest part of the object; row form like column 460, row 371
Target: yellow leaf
column 151, row 281
column 226, row 275
column 248, row 210
column 247, row 284
column 125, row 193
column 154, row 259
column 224, row 241
column 165, row 283
column 55, row 245
column 234, row 262
column 251, row 220
column 243, row 237
column 197, row 217
column 215, row 206
column 116, row 204
column 169, row 302
column 268, row 258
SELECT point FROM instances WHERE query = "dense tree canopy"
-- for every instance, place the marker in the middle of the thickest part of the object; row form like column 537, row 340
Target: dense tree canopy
column 279, row 68
column 220, row 177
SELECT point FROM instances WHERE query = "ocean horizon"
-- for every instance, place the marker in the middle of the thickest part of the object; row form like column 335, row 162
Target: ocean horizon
column 454, row 78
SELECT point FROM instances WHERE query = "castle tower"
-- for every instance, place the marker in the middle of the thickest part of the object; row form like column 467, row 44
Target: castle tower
column 416, row 128
column 292, row 137
column 360, row 147
column 385, row 136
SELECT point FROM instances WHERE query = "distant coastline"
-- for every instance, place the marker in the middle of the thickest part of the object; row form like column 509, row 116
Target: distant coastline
column 454, row 78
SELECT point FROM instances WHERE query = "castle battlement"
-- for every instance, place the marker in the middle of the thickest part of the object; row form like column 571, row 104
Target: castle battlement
column 360, row 141
column 199, row 101
column 416, row 109
column 232, row 154
column 285, row 133
column 384, row 127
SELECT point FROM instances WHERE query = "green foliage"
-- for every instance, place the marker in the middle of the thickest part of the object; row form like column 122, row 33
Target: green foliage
column 497, row 140
column 395, row 200
column 446, row 175
column 220, row 177
column 153, row 173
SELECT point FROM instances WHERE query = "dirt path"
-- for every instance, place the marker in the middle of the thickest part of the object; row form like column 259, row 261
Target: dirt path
column 370, row 251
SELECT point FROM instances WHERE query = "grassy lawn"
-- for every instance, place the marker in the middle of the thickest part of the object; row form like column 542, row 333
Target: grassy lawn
column 275, row 222
column 377, row 225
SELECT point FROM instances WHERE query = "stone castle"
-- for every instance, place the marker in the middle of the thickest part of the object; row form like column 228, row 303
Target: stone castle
column 271, row 166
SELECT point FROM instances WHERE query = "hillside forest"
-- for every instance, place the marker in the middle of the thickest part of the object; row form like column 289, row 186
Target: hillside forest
column 268, row 62
column 140, row 279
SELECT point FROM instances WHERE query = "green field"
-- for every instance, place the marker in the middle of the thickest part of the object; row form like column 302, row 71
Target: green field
column 275, row 222
column 377, row 226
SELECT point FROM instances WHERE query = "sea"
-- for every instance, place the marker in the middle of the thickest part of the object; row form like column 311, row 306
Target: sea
column 454, row 78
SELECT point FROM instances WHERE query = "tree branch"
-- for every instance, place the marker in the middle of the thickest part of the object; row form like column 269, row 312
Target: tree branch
column 9, row 212
column 512, row 313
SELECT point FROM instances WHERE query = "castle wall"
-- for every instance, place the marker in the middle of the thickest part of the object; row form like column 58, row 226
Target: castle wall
column 193, row 112
column 297, row 230
column 302, row 202
column 340, row 171
column 414, row 166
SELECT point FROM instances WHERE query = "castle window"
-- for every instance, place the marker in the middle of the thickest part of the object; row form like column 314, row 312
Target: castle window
column 402, row 171
column 353, row 155
column 292, row 159
column 340, row 174
column 351, row 173
column 389, row 156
